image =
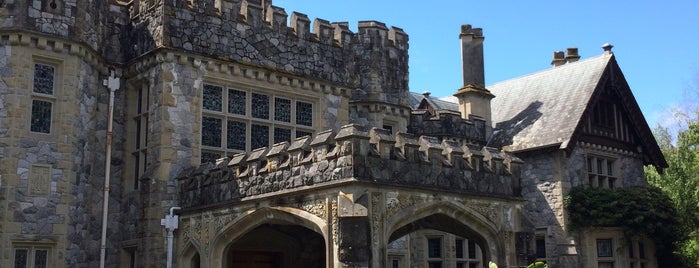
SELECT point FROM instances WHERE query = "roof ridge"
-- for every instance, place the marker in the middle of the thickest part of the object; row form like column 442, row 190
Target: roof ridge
column 564, row 66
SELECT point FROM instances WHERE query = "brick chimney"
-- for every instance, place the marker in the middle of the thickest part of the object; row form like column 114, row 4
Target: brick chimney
column 474, row 98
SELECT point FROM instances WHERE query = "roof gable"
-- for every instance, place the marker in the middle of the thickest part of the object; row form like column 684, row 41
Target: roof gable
column 588, row 100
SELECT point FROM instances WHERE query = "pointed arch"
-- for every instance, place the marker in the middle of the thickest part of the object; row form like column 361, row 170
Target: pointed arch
column 251, row 219
column 475, row 226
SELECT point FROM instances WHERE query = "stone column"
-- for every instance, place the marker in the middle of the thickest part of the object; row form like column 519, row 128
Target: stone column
column 354, row 231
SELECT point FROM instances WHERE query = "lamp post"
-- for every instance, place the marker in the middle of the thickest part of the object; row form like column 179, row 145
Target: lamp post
column 112, row 82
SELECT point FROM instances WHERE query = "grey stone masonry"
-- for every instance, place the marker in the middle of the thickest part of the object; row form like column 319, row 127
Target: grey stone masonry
column 374, row 60
column 353, row 154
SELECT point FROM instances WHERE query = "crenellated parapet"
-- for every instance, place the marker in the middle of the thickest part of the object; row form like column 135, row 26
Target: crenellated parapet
column 353, row 155
column 374, row 59
column 448, row 125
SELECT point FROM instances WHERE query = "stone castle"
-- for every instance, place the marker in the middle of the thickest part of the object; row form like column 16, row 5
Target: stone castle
column 233, row 132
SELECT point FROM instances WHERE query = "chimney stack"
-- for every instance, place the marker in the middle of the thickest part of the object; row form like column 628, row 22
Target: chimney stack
column 572, row 54
column 607, row 48
column 474, row 98
column 559, row 58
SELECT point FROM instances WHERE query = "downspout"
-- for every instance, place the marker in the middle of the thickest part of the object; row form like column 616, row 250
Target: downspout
column 171, row 223
column 112, row 82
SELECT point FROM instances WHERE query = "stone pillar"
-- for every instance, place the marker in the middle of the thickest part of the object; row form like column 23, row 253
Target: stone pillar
column 354, row 230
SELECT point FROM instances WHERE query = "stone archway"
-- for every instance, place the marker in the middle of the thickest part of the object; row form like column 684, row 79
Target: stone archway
column 452, row 218
column 272, row 237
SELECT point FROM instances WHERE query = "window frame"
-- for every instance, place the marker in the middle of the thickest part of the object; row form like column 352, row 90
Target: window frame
column 49, row 98
column 249, row 120
column 31, row 254
column 602, row 171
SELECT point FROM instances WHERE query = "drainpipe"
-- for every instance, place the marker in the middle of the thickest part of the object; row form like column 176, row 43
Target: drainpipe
column 113, row 84
column 171, row 223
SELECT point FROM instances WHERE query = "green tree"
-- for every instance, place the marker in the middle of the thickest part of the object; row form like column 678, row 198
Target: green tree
column 680, row 181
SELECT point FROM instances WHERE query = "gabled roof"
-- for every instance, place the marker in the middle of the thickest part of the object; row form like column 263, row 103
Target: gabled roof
column 436, row 104
column 543, row 109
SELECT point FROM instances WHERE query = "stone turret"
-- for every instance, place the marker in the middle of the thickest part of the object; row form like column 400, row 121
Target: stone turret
column 474, row 98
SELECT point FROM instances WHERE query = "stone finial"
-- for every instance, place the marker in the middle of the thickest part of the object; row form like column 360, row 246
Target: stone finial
column 399, row 38
column 607, row 48
column 300, row 150
column 276, row 16
column 301, row 25
column 408, row 146
column 342, row 33
column 384, row 141
column 323, row 31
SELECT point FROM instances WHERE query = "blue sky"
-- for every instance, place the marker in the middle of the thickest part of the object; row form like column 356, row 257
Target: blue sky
column 656, row 42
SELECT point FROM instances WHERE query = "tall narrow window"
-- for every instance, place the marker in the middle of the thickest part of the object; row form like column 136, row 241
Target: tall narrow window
column 434, row 252
column 605, row 253
column 140, row 114
column 42, row 98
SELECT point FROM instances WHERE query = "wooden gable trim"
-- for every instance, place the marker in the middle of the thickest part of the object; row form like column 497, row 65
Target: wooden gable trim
column 630, row 129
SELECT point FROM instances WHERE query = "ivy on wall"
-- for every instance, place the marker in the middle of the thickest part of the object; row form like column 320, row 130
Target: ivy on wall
column 638, row 211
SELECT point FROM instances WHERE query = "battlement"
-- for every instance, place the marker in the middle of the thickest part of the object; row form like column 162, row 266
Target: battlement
column 353, row 154
column 446, row 124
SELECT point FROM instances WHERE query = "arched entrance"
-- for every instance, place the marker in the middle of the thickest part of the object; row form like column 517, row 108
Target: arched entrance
column 441, row 234
column 277, row 246
column 272, row 238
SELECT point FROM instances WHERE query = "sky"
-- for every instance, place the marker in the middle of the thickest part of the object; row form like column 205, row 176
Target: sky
column 656, row 43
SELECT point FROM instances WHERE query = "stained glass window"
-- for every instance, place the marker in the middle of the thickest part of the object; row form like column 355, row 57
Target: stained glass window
column 43, row 79
column 282, row 110
column 211, row 131
column 304, row 113
column 260, row 106
column 41, row 257
column 213, row 98
column 259, row 136
column 21, row 256
column 282, row 134
column 236, row 135
column 236, row 101
column 41, row 116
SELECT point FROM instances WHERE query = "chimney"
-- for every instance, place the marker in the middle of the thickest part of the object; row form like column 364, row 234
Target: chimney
column 474, row 98
column 558, row 58
column 572, row 54
column 607, row 48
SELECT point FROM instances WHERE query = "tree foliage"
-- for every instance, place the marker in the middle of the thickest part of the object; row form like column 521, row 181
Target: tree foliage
column 680, row 181
column 639, row 211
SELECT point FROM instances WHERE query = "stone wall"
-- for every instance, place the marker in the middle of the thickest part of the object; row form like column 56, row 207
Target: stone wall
column 52, row 183
column 448, row 124
column 353, row 154
column 374, row 60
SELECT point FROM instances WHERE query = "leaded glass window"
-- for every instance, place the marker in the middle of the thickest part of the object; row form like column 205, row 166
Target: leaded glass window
column 235, row 119
column 281, row 134
column 282, row 110
column 41, row 116
column 211, row 131
column 304, row 113
column 213, row 98
column 43, row 79
column 41, row 258
column 434, row 247
column 260, row 106
column 604, row 248
column 236, row 135
column 259, row 136
column 236, row 101
column 21, row 257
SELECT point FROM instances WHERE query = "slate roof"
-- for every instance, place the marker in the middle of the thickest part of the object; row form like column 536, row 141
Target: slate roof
column 436, row 103
column 543, row 109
